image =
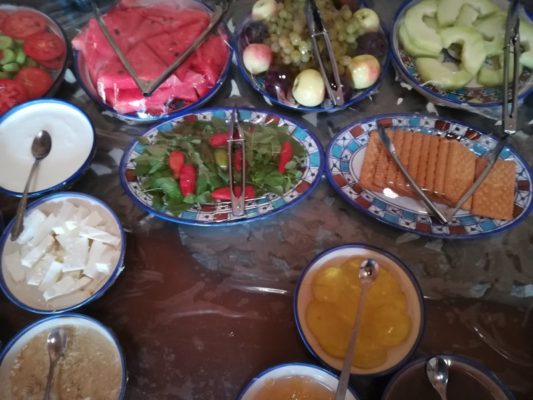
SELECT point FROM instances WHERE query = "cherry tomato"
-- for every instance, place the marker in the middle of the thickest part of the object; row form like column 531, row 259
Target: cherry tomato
column 11, row 94
column 22, row 24
column 44, row 46
column 35, row 80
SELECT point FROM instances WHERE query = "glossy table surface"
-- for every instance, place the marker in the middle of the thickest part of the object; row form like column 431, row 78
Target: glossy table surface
column 200, row 311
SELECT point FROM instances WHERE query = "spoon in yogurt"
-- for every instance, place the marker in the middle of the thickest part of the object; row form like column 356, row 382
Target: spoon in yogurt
column 437, row 373
column 40, row 148
column 55, row 343
column 368, row 273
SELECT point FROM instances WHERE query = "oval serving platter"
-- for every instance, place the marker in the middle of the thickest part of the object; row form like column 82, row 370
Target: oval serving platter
column 219, row 213
column 345, row 155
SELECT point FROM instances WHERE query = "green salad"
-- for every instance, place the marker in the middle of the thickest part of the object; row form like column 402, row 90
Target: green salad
column 189, row 165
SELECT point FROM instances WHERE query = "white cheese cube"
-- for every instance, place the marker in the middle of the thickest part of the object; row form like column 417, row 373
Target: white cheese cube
column 76, row 256
column 35, row 276
column 81, row 283
column 51, row 276
column 99, row 235
column 29, row 259
column 93, row 219
column 32, row 220
column 60, row 288
column 82, row 212
column 13, row 266
column 45, row 228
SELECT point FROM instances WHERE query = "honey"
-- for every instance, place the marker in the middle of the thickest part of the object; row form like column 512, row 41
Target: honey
column 330, row 315
column 294, row 387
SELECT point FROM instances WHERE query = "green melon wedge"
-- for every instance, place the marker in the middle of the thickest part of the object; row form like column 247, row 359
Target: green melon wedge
column 467, row 16
column 526, row 40
column 441, row 75
column 492, row 75
column 473, row 53
column 408, row 45
column 448, row 10
column 422, row 36
column 493, row 30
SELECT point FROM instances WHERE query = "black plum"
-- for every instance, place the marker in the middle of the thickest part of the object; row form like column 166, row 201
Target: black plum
column 254, row 32
column 373, row 43
column 278, row 81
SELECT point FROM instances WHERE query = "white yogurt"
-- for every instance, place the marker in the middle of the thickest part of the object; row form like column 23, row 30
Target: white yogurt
column 72, row 141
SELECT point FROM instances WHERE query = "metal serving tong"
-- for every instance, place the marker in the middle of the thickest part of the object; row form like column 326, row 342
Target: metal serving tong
column 509, row 111
column 148, row 87
column 236, row 143
column 389, row 146
column 318, row 29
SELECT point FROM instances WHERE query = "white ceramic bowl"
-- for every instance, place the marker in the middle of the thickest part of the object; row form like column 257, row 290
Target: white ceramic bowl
column 12, row 349
column 73, row 145
column 321, row 375
column 415, row 305
column 31, row 298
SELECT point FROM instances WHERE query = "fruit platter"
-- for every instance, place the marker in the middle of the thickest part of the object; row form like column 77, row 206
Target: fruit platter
column 33, row 55
column 453, row 53
column 151, row 36
column 275, row 53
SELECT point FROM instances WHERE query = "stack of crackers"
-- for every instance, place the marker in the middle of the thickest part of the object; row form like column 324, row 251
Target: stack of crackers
column 444, row 168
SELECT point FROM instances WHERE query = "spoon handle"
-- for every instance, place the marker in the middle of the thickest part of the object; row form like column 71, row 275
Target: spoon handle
column 17, row 229
column 348, row 359
column 49, row 380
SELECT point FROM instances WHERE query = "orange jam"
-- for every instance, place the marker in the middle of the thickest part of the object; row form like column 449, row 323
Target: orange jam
column 294, row 387
column 330, row 315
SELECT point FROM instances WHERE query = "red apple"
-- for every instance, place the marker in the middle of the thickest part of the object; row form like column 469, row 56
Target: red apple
column 365, row 70
column 368, row 20
column 257, row 58
column 264, row 9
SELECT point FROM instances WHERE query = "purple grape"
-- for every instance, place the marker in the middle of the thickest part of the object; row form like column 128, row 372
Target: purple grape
column 278, row 82
column 254, row 32
column 373, row 43
column 346, row 85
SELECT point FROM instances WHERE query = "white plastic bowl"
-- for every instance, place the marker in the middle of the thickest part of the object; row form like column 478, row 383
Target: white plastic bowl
column 29, row 297
column 415, row 304
column 10, row 352
column 321, row 375
column 73, row 145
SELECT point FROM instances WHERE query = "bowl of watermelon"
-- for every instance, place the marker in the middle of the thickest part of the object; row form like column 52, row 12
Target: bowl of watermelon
column 33, row 55
column 152, row 35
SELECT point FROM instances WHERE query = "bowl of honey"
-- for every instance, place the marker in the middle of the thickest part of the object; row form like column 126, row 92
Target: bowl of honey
column 293, row 381
column 325, row 305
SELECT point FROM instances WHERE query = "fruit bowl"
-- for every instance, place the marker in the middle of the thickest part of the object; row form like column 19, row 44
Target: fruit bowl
column 152, row 35
column 34, row 55
column 468, row 77
column 325, row 303
column 275, row 55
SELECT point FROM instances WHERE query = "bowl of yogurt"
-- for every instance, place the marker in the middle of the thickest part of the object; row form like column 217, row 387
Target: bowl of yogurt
column 293, row 381
column 70, row 252
column 92, row 367
column 73, row 146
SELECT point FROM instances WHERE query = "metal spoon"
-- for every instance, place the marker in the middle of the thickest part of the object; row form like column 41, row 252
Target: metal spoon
column 368, row 273
column 40, row 148
column 56, row 343
column 437, row 373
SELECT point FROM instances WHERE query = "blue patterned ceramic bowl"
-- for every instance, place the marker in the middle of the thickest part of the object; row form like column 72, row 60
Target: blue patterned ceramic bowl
column 474, row 97
column 219, row 213
column 345, row 156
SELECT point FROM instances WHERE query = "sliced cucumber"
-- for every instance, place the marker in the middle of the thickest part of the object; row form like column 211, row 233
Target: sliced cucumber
column 11, row 67
column 8, row 56
column 20, row 56
column 6, row 42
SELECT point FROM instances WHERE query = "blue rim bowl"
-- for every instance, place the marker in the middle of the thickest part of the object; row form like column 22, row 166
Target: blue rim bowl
column 55, row 320
column 446, row 98
column 85, row 82
column 104, row 286
column 416, row 305
column 292, row 370
column 78, row 171
column 259, row 86
column 194, row 222
column 475, row 367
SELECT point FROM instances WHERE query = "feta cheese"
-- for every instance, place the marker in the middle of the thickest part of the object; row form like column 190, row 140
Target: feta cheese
column 35, row 276
column 37, row 252
column 44, row 229
column 31, row 223
column 51, row 275
column 76, row 257
column 15, row 269
column 93, row 219
column 99, row 235
column 60, row 288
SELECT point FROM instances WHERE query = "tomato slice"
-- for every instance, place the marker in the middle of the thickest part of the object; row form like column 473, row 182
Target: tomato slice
column 22, row 24
column 44, row 46
column 35, row 80
column 11, row 94
column 56, row 63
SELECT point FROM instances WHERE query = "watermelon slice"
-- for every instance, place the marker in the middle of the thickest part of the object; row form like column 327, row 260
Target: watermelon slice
column 174, row 20
column 210, row 58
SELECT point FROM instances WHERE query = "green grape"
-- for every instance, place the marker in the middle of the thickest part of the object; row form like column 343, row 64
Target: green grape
column 284, row 41
column 288, row 49
column 345, row 12
column 350, row 38
column 284, row 14
column 345, row 60
column 305, row 58
column 305, row 46
column 286, row 60
column 295, row 56
column 274, row 38
column 351, row 28
column 298, row 26
column 295, row 38
column 341, row 37
column 275, row 47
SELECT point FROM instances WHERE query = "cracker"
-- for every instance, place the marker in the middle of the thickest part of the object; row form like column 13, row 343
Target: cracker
column 423, row 160
column 366, row 178
column 392, row 170
column 460, row 174
column 414, row 155
column 400, row 183
column 431, row 165
column 383, row 164
column 440, row 169
column 495, row 196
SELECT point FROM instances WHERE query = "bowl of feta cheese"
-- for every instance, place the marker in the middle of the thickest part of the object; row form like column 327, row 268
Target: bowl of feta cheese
column 71, row 250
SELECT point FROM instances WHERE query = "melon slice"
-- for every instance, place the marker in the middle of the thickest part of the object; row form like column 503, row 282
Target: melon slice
column 493, row 30
column 448, row 10
column 408, row 45
column 473, row 53
column 442, row 75
column 492, row 75
column 467, row 16
column 526, row 40
column 422, row 36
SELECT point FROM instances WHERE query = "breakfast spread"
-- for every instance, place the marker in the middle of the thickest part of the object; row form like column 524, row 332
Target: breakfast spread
column 444, row 168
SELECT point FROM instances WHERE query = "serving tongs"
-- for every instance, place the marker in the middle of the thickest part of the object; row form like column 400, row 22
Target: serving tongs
column 318, row 30
column 148, row 87
column 235, row 144
column 510, row 102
